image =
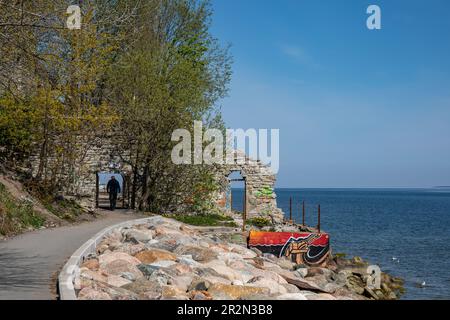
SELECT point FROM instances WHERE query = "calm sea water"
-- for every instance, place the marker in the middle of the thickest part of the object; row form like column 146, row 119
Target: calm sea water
column 412, row 225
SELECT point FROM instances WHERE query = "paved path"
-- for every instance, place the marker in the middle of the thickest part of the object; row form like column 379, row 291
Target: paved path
column 29, row 263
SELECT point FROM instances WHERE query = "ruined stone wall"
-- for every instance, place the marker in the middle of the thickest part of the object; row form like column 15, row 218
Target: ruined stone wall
column 259, row 179
column 260, row 187
column 98, row 157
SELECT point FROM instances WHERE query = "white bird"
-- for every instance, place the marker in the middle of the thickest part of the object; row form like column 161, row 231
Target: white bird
column 394, row 259
column 423, row 285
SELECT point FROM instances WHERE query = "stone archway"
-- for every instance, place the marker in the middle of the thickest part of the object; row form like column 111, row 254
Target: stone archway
column 260, row 197
column 101, row 196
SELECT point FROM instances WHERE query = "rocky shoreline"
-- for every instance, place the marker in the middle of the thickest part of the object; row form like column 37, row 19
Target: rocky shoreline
column 166, row 259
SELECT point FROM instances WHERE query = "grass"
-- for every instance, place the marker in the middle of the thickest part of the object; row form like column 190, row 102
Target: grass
column 65, row 209
column 16, row 215
column 211, row 220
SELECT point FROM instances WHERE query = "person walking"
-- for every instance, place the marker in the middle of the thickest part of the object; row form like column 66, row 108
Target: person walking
column 113, row 189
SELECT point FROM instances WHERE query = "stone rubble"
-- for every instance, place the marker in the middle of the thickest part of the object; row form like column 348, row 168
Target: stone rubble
column 167, row 260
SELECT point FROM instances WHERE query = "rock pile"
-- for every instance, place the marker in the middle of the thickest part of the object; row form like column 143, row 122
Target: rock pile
column 165, row 259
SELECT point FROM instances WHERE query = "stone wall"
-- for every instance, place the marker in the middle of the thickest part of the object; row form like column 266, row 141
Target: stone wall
column 260, row 185
column 100, row 156
column 260, row 181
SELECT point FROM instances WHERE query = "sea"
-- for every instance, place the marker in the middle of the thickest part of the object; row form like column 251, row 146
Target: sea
column 406, row 232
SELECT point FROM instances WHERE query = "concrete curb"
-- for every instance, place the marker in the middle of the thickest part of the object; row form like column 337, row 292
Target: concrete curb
column 72, row 267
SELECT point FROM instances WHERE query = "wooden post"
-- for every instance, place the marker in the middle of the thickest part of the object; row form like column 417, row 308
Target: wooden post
column 318, row 225
column 290, row 210
column 231, row 199
column 303, row 213
column 244, row 216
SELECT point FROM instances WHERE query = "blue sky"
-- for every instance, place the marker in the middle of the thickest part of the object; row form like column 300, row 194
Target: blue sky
column 355, row 108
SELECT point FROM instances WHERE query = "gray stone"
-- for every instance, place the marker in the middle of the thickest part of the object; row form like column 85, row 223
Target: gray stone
column 137, row 236
column 199, row 284
column 199, row 254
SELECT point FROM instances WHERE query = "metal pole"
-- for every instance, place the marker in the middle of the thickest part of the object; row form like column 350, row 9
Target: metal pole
column 303, row 213
column 318, row 225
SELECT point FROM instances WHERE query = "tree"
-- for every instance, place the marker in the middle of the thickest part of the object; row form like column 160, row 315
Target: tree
column 172, row 74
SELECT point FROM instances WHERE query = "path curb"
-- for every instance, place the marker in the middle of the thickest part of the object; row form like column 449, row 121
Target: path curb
column 72, row 267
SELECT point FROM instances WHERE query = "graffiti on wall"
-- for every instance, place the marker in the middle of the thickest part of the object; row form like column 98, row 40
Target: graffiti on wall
column 303, row 248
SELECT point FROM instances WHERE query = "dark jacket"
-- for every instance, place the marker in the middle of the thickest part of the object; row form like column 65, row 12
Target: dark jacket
column 113, row 187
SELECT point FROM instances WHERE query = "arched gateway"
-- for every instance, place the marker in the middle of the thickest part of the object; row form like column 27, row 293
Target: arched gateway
column 260, row 198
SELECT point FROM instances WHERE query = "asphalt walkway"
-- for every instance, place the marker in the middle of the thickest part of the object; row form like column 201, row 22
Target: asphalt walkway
column 29, row 263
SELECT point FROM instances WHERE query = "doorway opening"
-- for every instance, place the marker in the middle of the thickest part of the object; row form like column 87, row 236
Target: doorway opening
column 102, row 196
column 236, row 193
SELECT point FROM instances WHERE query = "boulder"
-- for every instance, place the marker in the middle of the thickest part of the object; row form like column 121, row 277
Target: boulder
column 355, row 284
column 228, row 292
column 117, row 281
column 199, row 295
column 199, row 254
column 173, row 293
column 92, row 294
column 187, row 260
column 273, row 286
column 244, row 252
column 304, row 284
column 317, row 296
column 136, row 236
column 92, row 275
column 311, row 272
column 226, row 272
column 213, row 279
column 291, row 296
column 116, row 293
column 290, row 288
column 181, row 268
column 154, row 255
column 131, row 249
column 148, row 290
column 115, row 256
column 91, row 264
column 163, row 264
column 163, row 243
column 129, row 276
column 301, row 272
column 161, row 277
column 118, row 267
column 199, row 284
column 285, row 263
column 183, row 282
column 147, row 269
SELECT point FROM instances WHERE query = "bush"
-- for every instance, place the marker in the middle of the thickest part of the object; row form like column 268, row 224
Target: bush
column 259, row 222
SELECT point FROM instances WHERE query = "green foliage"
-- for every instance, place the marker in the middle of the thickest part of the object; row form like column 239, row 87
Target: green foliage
column 264, row 192
column 201, row 195
column 212, row 220
column 15, row 126
column 136, row 71
column 259, row 222
column 16, row 215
